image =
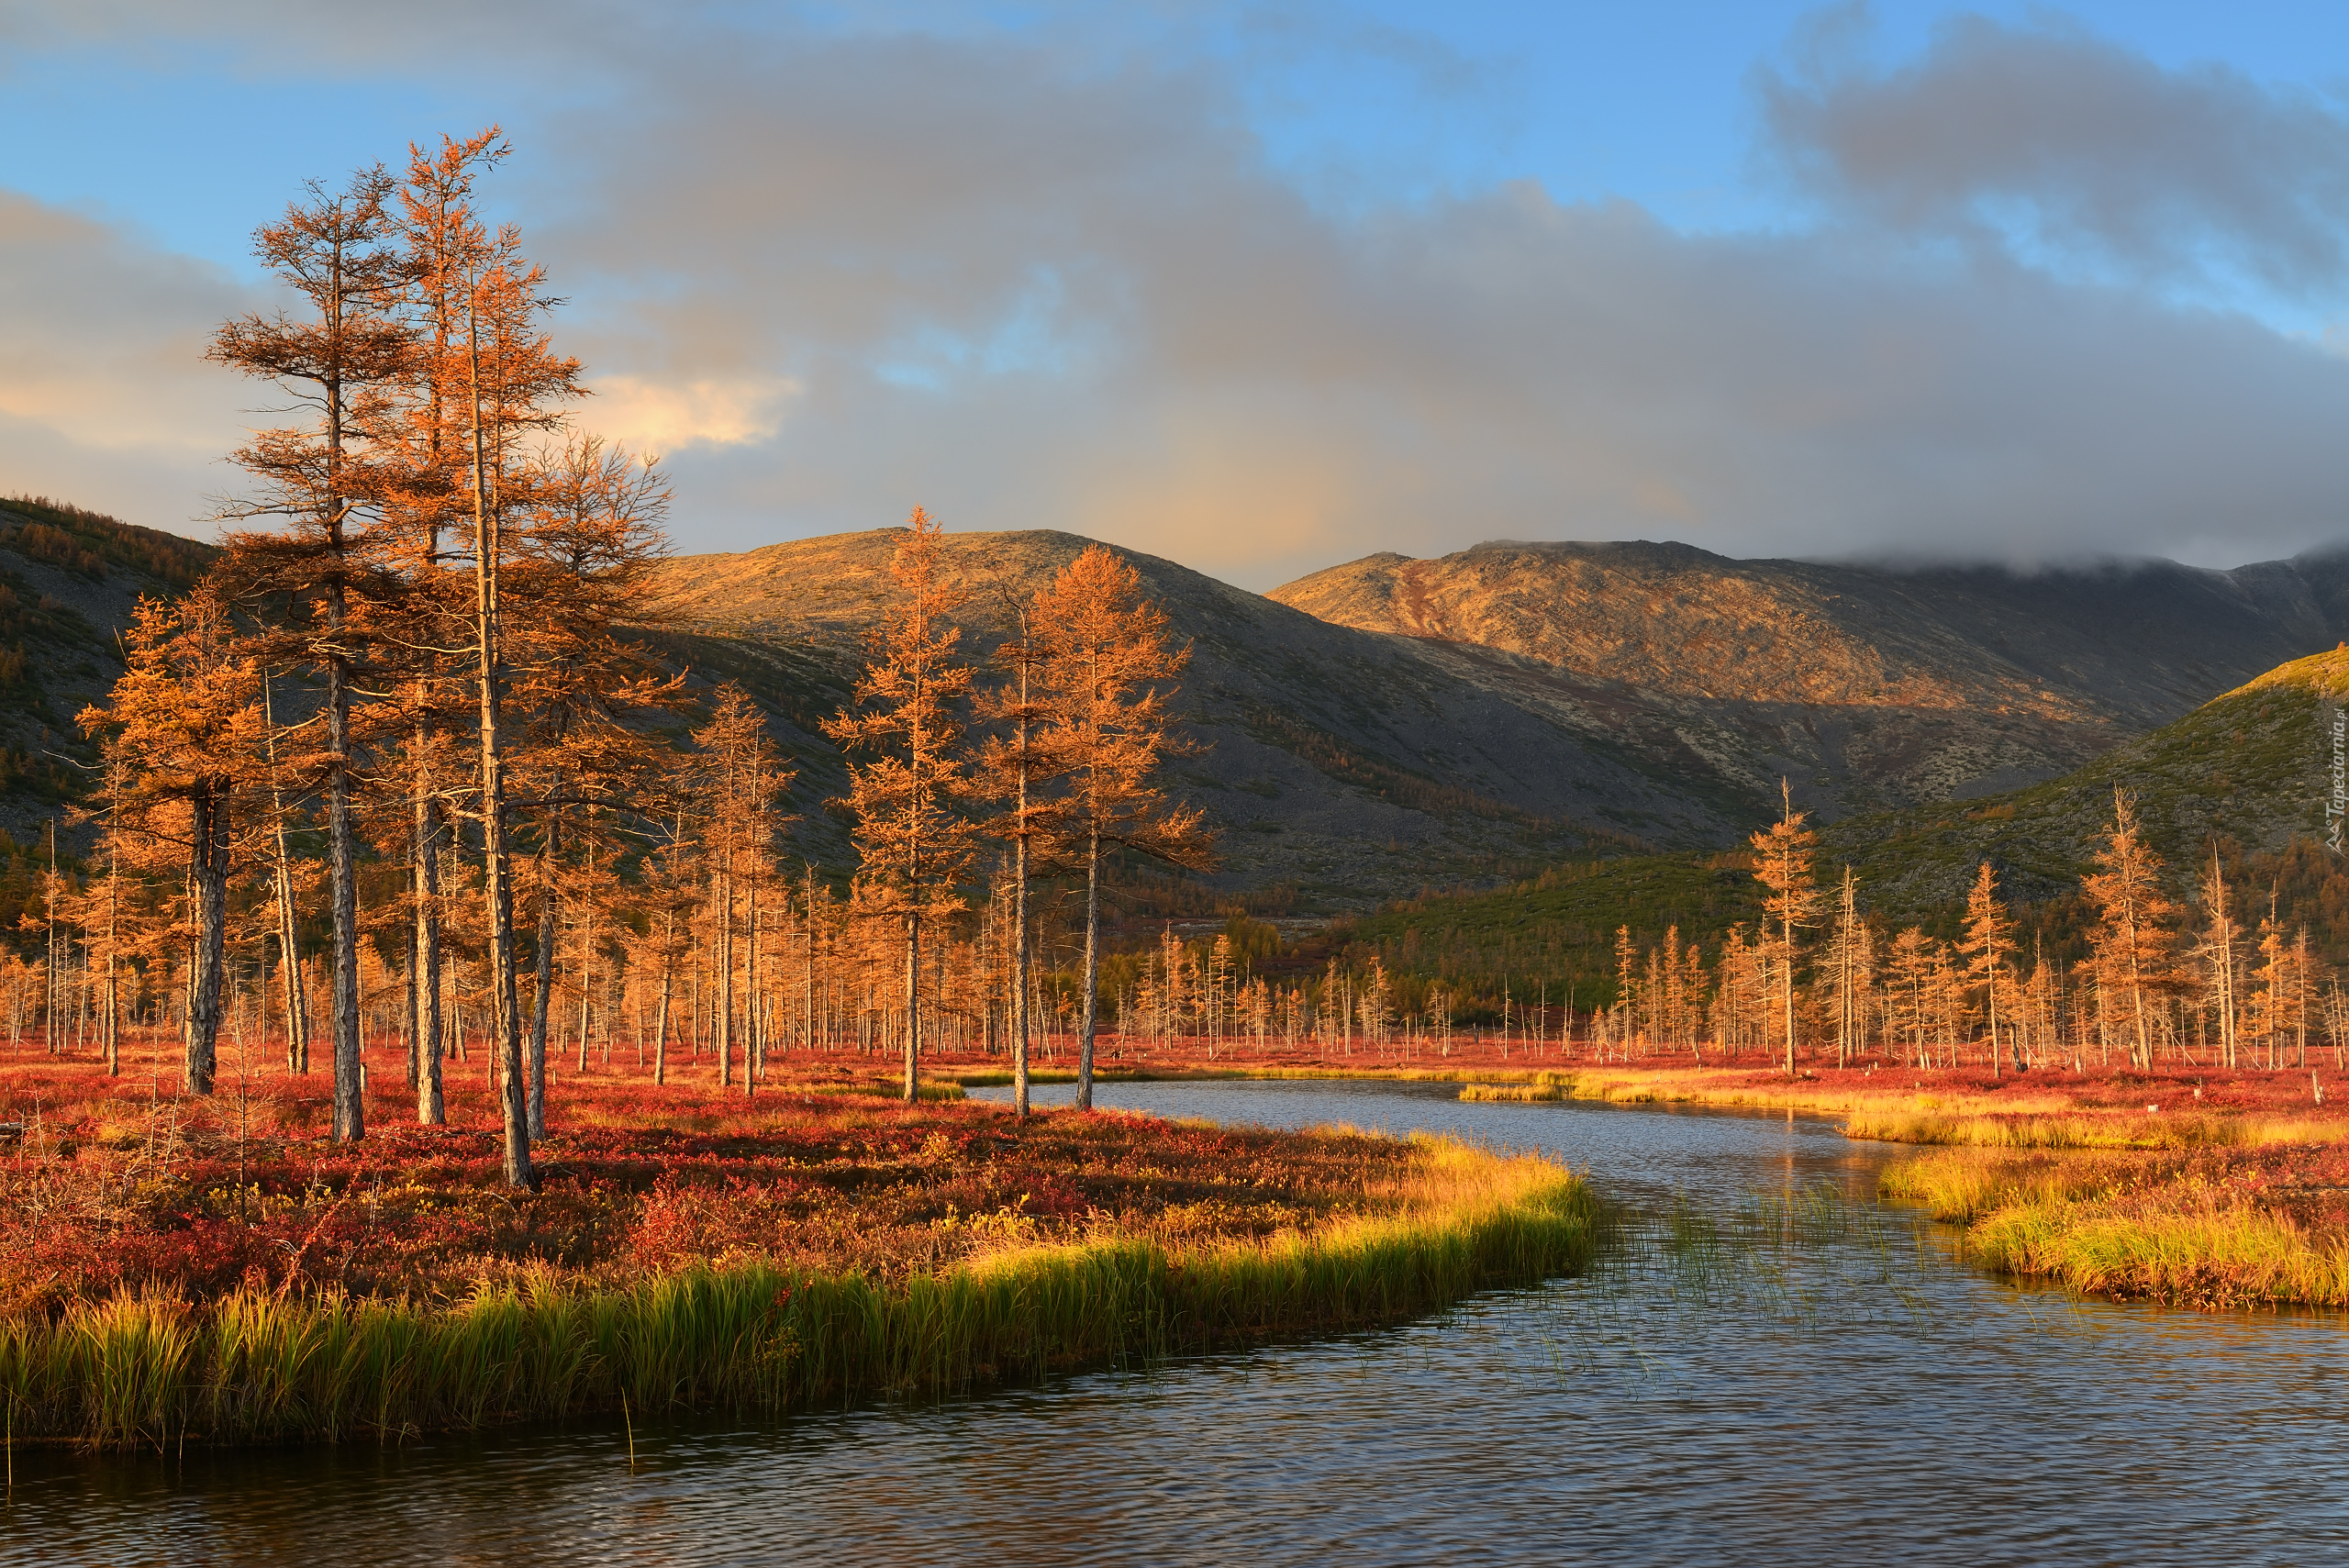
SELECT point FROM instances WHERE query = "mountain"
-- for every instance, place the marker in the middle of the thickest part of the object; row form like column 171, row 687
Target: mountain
column 69, row 580
column 2252, row 768
column 1352, row 764
column 1868, row 687
column 2249, row 773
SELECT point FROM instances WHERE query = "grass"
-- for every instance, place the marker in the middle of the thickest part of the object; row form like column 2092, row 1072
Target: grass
column 2215, row 1228
column 1516, row 1092
column 150, row 1367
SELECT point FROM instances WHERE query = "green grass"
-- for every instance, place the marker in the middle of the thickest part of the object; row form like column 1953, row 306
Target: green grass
column 140, row 1370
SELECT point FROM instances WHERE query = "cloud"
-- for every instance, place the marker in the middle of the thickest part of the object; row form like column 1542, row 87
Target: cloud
column 1025, row 296
column 660, row 417
column 105, row 397
column 2077, row 145
column 1051, row 277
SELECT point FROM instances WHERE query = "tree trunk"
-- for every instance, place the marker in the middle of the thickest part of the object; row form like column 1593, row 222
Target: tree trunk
column 497, row 888
column 431, row 1109
column 343, row 873
column 545, row 984
column 725, row 1019
column 208, row 878
column 661, row 1028
column 1088, row 1003
column 913, row 999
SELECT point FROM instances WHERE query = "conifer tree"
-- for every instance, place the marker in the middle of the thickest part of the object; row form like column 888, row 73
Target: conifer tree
column 2132, row 939
column 511, row 382
column 184, row 724
column 2217, row 952
column 1110, row 725
column 914, row 845
column 1989, row 937
column 312, row 581
column 1015, row 767
column 1782, row 864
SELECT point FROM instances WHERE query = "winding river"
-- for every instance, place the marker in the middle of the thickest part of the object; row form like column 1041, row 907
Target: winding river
column 1769, row 1368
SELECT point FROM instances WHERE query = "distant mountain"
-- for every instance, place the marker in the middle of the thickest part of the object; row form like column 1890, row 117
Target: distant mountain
column 2252, row 767
column 1393, row 723
column 1353, row 764
column 2248, row 773
column 69, row 579
column 1869, row 687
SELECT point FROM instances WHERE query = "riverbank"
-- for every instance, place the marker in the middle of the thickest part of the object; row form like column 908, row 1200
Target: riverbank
column 177, row 1271
column 2197, row 1188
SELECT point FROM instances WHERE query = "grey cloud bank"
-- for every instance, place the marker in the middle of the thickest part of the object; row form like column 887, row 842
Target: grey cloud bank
column 1032, row 284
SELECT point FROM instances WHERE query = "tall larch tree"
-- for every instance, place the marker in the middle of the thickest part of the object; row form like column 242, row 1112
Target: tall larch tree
column 339, row 361
column 587, row 544
column 1016, row 768
column 427, row 502
column 512, row 384
column 905, row 721
column 1111, row 727
column 1783, row 854
column 1989, row 939
column 2132, row 938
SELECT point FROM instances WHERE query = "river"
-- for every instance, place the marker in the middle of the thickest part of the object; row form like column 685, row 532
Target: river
column 1769, row 1368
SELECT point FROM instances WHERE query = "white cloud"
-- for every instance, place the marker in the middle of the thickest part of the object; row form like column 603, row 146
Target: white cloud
column 664, row 417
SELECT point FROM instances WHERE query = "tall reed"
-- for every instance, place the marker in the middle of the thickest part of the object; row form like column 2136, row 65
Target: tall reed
column 152, row 1369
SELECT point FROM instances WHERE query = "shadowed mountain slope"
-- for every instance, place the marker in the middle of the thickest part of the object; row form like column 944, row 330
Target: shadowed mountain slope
column 1870, row 687
column 69, row 580
column 1355, row 764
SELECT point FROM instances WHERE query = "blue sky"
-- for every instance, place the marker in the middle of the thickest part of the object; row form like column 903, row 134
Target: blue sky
column 1266, row 287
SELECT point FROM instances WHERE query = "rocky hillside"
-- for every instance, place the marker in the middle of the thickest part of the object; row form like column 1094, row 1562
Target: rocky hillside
column 1353, row 764
column 1869, row 687
column 68, row 581
column 2252, row 767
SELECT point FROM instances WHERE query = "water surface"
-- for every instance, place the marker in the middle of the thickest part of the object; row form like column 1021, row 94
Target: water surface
column 1772, row 1369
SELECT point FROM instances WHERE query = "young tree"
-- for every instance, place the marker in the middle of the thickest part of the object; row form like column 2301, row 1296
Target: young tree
column 1782, row 864
column 1110, row 725
column 2131, row 939
column 311, row 580
column 914, row 846
column 1989, row 937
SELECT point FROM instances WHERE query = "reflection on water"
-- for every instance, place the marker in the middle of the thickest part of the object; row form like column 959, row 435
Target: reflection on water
column 1768, row 1368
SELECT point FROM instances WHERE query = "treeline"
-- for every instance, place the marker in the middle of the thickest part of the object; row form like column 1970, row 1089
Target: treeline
column 402, row 755
column 92, row 543
column 2221, row 981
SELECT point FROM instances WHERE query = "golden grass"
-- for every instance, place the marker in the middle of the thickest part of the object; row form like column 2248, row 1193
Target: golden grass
column 2120, row 1226
column 149, row 1367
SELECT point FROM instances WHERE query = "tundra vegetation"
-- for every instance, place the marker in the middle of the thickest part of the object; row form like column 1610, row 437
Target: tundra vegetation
column 591, row 1120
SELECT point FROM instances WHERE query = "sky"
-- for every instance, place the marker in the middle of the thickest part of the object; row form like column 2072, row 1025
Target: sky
column 1264, row 288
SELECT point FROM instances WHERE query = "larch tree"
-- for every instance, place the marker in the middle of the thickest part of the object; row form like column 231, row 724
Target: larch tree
column 427, row 501
column 2131, row 939
column 1782, row 853
column 912, row 840
column 587, row 540
column 183, row 722
column 2217, row 952
column 1111, row 727
column 1989, row 939
column 311, row 580
column 512, row 383
column 739, row 777
column 1016, row 766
